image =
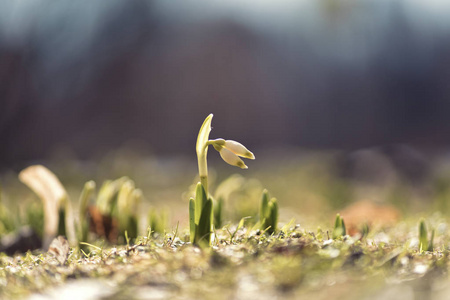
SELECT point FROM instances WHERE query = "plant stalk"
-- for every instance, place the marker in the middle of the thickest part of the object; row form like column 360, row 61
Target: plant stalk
column 203, row 169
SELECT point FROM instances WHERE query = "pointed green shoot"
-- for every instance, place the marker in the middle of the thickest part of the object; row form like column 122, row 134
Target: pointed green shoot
column 365, row 230
column 430, row 244
column 423, row 236
column 200, row 201
column 192, row 224
column 344, row 230
column 268, row 215
column 135, row 200
column 218, row 213
column 339, row 227
column 86, row 194
column 273, row 217
column 242, row 222
column 203, row 234
column 124, row 206
column 62, row 221
column 337, row 221
column 264, row 211
column 240, row 225
column 106, row 195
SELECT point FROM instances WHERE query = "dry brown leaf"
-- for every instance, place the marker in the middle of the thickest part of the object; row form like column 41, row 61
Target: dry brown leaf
column 59, row 248
column 370, row 213
column 103, row 225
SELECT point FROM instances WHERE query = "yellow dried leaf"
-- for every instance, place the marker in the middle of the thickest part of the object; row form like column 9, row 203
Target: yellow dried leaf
column 59, row 248
column 48, row 187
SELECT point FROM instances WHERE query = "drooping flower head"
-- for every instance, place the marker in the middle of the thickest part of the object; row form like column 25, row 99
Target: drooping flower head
column 229, row 150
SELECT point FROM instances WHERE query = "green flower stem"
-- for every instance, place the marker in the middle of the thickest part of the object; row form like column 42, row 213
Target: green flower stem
column 202, row 151
column 203, row 164
column 203, row 167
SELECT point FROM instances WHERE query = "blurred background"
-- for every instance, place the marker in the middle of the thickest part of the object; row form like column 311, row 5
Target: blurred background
column 349, row 95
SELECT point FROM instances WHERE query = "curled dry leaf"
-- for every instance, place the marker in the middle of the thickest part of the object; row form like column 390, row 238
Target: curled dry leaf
column 48, row 187
column 59, row 248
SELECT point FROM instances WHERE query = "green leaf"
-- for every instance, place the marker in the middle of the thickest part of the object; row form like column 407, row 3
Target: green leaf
column 242, row 222
column 339, row 227
column 200, row 201
column 83, row 226
column 320, row 233
column 124, row 205
column 240, row 225
column 86, row 193
column 430, row 244
column 62, row 221
column 192, row 224
column 133, row 227
column 337, row 221
column 273, row 215
column 286, row 226
column 423, row 236
column 264, row 211
column 106, row 196
column 218, row 213
column 212, row 211
column 365, row 230
column 203, row 235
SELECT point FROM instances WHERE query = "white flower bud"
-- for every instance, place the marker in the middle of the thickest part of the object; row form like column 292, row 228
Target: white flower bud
column 232, row 159
column 238, row 149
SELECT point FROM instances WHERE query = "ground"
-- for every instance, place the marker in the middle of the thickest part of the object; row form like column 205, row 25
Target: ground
column 301, row 260
column 293, row 264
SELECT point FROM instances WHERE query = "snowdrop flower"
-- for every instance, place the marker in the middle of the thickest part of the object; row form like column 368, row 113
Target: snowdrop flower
column 229, row 150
